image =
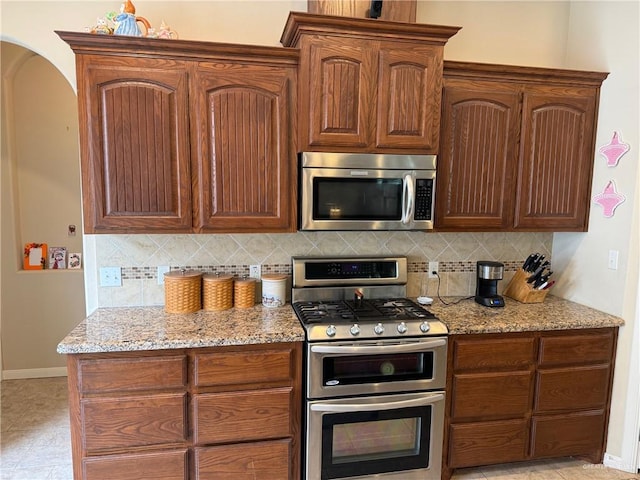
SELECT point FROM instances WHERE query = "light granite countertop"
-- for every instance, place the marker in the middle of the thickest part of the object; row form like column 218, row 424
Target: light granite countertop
column 151, row 328
column 122, row 329
column 468, row 317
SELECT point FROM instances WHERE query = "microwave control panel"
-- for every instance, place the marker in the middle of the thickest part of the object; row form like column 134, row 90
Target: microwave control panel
column 424, row 192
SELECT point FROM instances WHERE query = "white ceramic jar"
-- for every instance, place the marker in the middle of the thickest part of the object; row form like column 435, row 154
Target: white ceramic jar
column 274, row 290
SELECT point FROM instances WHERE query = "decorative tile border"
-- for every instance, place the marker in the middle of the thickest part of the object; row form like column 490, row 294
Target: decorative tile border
column 150, row 273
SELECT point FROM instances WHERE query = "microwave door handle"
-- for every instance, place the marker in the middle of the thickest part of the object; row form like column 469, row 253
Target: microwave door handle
column 364, row 407
column 377, row 349
column 408, row 194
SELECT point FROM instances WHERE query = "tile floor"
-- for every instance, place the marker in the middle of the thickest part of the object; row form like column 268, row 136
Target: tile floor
column 35, row 443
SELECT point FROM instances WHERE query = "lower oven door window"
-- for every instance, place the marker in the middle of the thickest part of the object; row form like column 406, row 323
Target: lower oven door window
column 393, row 434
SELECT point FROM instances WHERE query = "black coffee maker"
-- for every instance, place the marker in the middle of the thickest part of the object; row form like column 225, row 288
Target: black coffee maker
column 487, row 277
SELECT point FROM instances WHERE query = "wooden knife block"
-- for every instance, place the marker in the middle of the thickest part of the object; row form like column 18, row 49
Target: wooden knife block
column 520, row 290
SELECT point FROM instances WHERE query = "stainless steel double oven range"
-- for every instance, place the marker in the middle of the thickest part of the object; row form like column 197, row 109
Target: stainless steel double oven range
column 375, row 371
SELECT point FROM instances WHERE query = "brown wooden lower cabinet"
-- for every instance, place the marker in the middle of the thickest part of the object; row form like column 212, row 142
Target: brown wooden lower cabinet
column 164, row 465
column 177, row 415
column 530, row 395
column 248, row 461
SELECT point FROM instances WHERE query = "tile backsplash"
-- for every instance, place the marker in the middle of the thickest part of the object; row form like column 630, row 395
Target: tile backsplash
column 457, row 253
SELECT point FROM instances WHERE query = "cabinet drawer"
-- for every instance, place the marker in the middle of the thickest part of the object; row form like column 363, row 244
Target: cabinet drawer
column 572, row 388
column 486, row 443
column 579, row 348
column 123, row 374
column 512, row 353
column 493, row 395
column 242, row 416
column 168, row 465
column 229, row 368
column 133, row 421
column 564, row 435
column 249, row 461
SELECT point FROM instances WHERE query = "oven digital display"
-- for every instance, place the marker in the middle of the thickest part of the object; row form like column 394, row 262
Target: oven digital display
column 350, row 270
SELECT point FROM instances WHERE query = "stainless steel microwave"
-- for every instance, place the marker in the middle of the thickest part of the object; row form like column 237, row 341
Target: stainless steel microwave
column 352, row 191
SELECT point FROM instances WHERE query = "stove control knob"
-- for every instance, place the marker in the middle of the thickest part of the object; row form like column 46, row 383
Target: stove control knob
column 378, row 329
column 425, row 327
column 355, row 329
column 331, row 330
column 402, row 327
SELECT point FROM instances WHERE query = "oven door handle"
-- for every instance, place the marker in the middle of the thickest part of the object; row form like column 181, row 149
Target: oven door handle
column 367, row 407
column 379, row 349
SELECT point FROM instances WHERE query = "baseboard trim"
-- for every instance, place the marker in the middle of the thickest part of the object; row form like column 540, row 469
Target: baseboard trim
column 618, row 463
column 34, row 373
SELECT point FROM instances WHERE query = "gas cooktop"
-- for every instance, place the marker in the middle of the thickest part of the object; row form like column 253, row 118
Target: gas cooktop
column 379, row 309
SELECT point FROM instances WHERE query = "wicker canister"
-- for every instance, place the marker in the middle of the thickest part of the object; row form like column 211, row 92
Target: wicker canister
column 217, row 292
column 182, row 291
column 244, row 292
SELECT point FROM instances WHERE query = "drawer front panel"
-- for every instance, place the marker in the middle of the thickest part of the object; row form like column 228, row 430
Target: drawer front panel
column 486, row 443
column 249, row 461
column 572, row 349
column 493, row 395
column 242, row 416
column 168, row 465
column 512, row 353
column 564, row 435
column 109, row 423
column 129, row 374
column 572, row 388
column 233, row 368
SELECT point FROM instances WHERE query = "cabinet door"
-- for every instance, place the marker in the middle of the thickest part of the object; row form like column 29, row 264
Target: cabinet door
column 556, row 160
column 243, row 151
column 580, row 433
column 247, row 461
column 478, row 157
column 161, row 465
column 135, row 147
column 337, row 94
column 409, row 94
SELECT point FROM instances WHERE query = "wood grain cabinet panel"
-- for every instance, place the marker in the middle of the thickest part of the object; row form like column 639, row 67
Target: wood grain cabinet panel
column 572, row 388
column 185, row 136
column 581, row 433
column 516, row 148
column 367, row 86
column 236, row 367
column 134, row 144
column 245, row 156
column 141, row 420
column 591, row 347
column 162, row 465
column 102, row 375
column 250, row 461
column 514, row 353
column 241, row 416
column 486, row 443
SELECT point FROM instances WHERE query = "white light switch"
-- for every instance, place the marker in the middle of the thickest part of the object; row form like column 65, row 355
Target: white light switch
column 613, row 259
column 161, row 271
column 110, row 277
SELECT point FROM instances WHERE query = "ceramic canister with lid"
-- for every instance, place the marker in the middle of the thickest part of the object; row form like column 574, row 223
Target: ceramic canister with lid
column 274, row 290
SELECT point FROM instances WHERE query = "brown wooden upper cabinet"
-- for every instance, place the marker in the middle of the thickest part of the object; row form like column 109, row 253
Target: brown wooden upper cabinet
column 183, row 136
column 516, row 148
column 367, row 85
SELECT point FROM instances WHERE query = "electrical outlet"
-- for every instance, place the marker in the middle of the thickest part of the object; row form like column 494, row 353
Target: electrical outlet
column 255, row 271
column 433, row 267
column 613, row 259
column 161, row 271
column 110, row 277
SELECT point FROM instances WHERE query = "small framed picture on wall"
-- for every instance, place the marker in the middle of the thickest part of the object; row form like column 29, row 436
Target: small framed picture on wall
column 35, row 256
column 75, row 260
column 57, row 258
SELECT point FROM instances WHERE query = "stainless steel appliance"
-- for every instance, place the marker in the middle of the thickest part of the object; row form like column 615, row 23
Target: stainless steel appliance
column 348, row 191
column 375, row 371
column 487, row 276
